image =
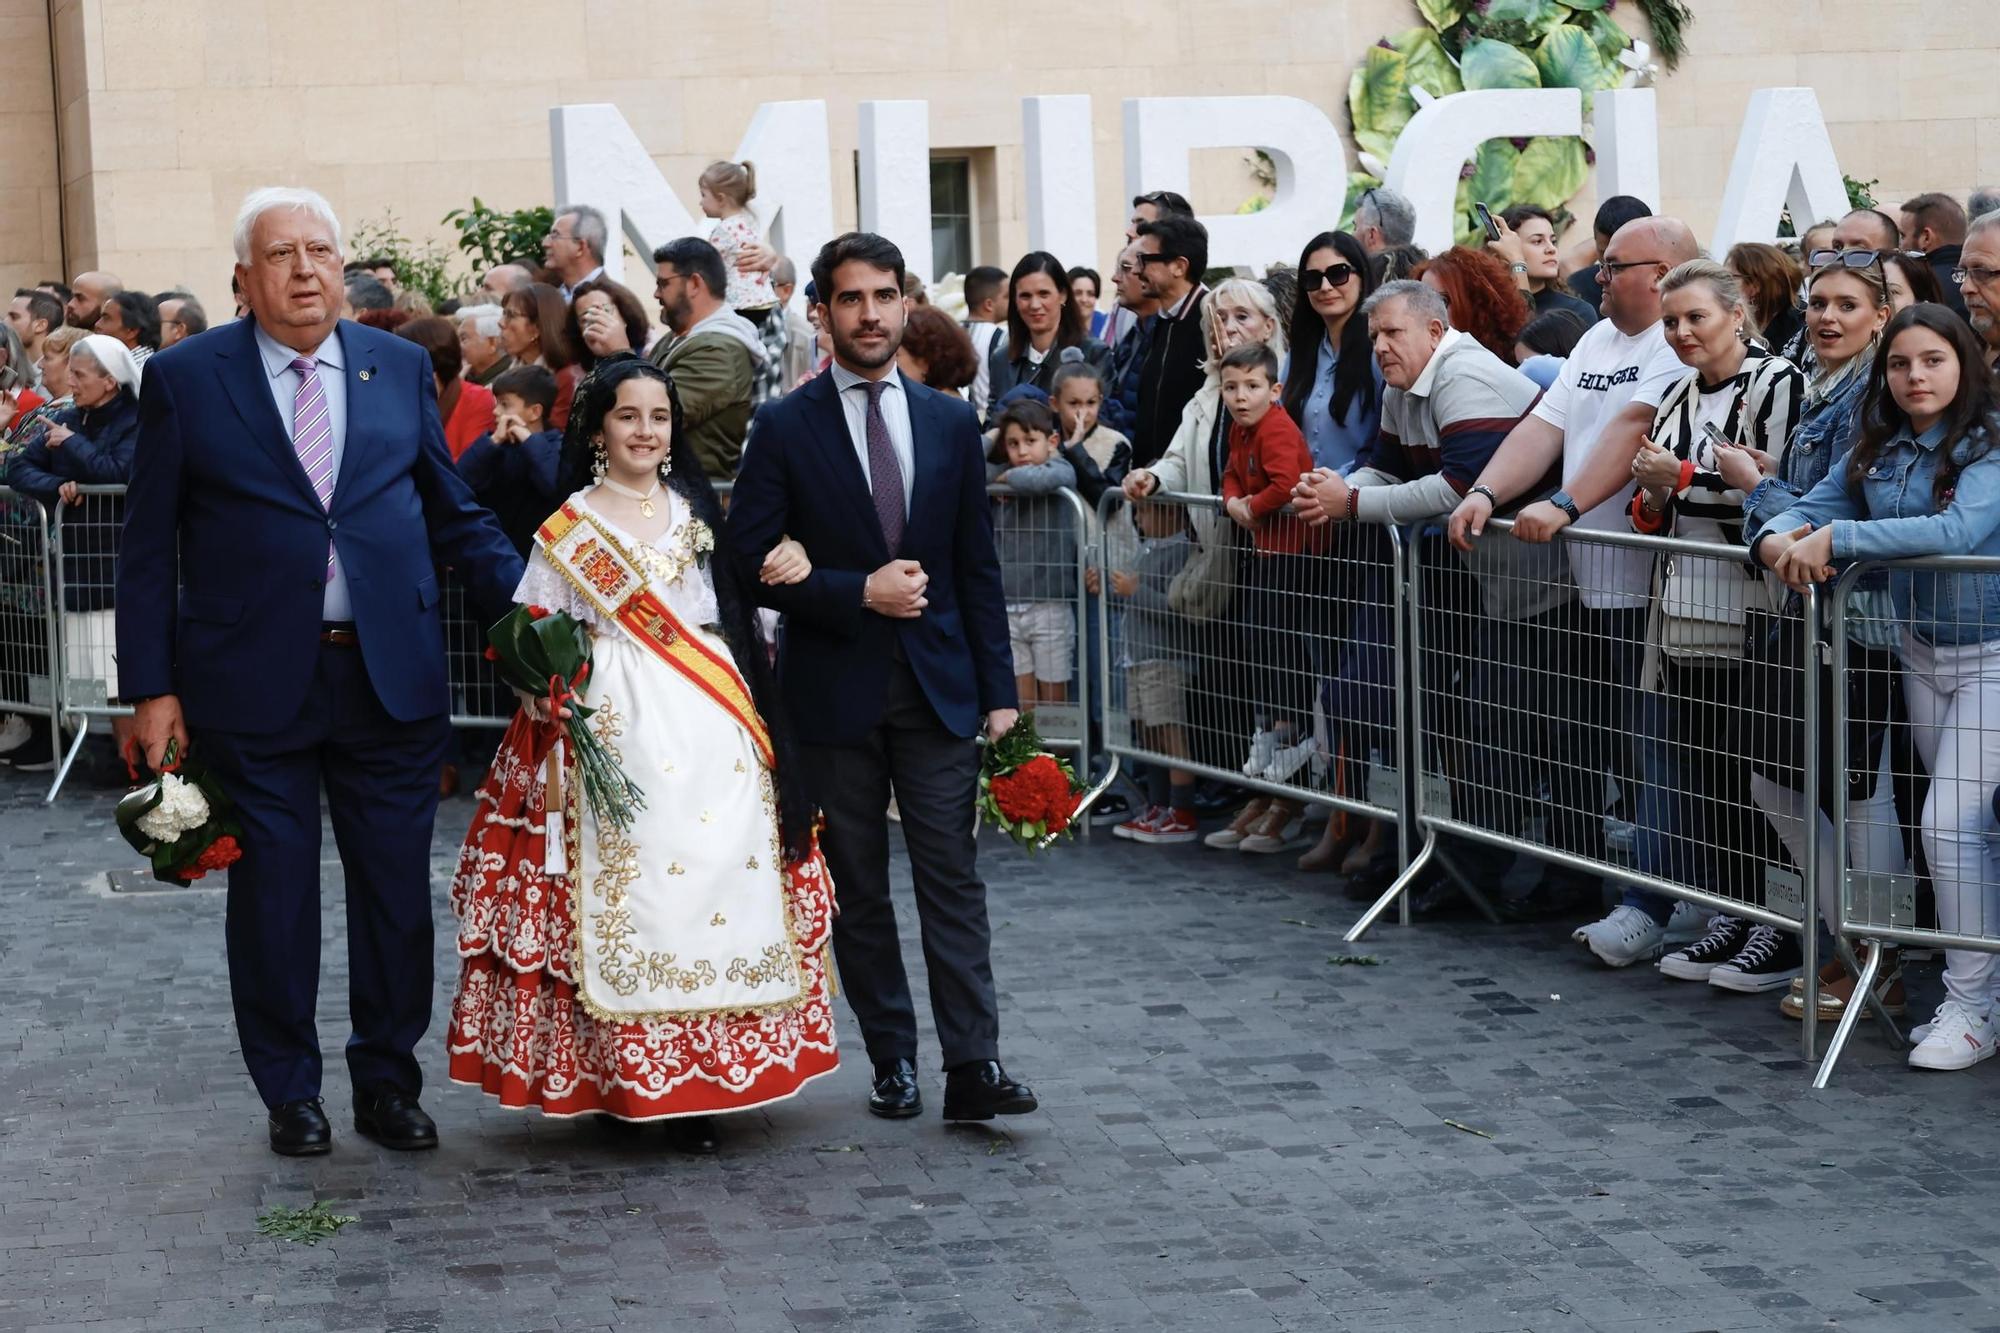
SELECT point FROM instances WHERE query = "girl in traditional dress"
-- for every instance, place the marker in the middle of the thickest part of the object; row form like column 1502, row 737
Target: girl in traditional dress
column 677, row 968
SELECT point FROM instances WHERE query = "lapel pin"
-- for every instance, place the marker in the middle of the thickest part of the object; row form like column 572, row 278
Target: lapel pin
column 368, row 374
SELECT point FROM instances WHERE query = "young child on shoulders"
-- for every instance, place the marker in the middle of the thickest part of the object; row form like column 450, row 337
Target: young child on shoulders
column 1035, row 533
column 1100, row 455
column 1267, row 453
column 512, row 468
column 726, row 191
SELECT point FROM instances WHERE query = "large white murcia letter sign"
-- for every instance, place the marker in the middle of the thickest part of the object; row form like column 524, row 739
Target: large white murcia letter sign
column 599, row 161
column 1443, row 136
column 895, row 178
column 1625, row 131
column 1302, row 143
column 1062, row 176
column 1784, row 159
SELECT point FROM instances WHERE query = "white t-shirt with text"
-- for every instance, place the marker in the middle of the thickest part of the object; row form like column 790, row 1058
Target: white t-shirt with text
column 1607, row 372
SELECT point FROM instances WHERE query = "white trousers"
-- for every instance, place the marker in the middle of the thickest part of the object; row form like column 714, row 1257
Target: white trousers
column 1954, row 698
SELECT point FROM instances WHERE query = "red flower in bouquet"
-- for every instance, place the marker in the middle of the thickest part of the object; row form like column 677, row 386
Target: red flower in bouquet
column 220, row 855
column 1026, row 792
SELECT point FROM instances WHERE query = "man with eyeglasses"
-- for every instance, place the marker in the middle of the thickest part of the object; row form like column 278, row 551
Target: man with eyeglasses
column 1131, row 333
column 574, row 247
column 1152, row 206
column 1172, row 253
column 1977, row 278
column 1586, row 430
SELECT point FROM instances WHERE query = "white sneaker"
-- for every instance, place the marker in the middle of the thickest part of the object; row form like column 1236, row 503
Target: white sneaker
column 14, row 733
column 1957, row 1037
column 1263, row 749
column 1625, row 937
column 1688, row 923
column 1288, row 760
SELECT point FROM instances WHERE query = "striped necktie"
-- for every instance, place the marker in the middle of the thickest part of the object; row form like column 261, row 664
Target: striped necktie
column 312, row 438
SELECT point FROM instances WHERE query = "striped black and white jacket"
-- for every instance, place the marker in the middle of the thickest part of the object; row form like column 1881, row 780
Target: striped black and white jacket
column 1764, row 399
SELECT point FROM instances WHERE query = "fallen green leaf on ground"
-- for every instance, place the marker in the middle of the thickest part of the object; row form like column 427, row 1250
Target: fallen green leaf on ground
column 301, row 1226
column 1354, row 960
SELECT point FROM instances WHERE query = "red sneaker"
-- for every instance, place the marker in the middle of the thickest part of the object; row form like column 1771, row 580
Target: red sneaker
column 1171, row 826
column 1141, row 823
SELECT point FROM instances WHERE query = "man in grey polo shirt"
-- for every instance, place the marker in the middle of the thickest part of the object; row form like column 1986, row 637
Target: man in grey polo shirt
column 1448, row 405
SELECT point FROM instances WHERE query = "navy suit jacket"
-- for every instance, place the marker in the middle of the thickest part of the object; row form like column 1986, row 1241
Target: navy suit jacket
column 800, row 478
column 221, row 574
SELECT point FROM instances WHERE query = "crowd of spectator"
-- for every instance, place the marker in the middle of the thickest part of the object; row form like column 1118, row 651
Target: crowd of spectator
column 1800, row 404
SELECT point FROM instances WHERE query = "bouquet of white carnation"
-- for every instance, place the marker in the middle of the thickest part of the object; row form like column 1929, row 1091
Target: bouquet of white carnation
column 182, row 822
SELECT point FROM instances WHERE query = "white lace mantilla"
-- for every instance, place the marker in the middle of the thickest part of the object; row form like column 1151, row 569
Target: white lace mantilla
column 672, row 571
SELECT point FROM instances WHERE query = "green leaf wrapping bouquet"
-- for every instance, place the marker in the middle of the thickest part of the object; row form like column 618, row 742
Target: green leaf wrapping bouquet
column 547, row 654
column 182, row 822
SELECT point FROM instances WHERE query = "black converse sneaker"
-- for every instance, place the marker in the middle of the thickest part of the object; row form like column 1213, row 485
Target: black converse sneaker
column 1768, row 961
column 1725, row 939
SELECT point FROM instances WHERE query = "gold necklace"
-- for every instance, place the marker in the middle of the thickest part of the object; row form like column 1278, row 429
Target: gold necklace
column 645, row 498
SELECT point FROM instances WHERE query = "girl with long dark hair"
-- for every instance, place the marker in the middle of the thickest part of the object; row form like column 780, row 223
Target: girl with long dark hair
column 676, row 968
column 1924, row 480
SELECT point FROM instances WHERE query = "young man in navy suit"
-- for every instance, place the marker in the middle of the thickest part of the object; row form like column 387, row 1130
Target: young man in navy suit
column 894, row 657
column 291, row 499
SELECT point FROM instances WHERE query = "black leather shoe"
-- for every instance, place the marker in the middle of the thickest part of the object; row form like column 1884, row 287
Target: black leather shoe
column 695, row 1134
column 896, row 1095
column 393, row 1119
column 982, row 1090
column 300, row 1129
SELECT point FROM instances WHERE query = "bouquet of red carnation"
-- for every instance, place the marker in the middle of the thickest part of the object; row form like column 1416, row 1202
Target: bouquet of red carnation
column 182, row 821
column 547, row 653
column 1026, row 792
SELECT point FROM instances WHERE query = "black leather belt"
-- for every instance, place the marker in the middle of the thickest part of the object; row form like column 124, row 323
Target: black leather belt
column 341, row 635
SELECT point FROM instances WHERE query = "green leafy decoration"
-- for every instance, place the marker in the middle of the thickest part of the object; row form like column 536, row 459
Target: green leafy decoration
column 1377, row 143
column 1669, row 20
column 1442, row 14
column 1518, row 22
column 1426, row 64
column 1378, row 95
column 1492, row 180
column 1568, row 58
column 1491, row 64
column 1549, row 171
column 1594, row 6
column 301, row 1226
column 1612, row 40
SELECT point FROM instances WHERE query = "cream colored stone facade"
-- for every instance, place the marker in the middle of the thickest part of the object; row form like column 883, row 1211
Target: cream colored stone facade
column 130, row 149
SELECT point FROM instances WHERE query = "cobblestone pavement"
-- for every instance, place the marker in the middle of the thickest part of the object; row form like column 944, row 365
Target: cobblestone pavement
column 1235, row 1134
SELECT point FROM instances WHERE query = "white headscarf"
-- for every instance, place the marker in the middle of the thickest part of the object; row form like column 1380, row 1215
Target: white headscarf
column 112, row 357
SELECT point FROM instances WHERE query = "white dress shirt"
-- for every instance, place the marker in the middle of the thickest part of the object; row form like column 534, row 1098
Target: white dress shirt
column 336, row 606
column 895, row 412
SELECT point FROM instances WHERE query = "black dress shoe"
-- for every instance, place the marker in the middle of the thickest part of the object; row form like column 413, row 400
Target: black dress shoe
column 982, row 1090
column 393, row 1119
column 896, row 1095
column 695, row 1134
column 299, row 1129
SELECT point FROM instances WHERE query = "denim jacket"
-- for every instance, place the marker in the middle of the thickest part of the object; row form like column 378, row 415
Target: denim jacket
column 1825, row 431
column 1894, row 518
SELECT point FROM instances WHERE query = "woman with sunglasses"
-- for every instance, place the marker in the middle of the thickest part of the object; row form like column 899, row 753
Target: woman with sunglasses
column 1333, row 390
column 1924, row 480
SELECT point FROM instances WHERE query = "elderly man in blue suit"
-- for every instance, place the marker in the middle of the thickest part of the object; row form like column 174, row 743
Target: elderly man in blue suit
column 291, row 500
column 894, row 657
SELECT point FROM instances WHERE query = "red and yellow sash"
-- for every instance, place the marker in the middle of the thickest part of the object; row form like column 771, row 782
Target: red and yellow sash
column 576, row 543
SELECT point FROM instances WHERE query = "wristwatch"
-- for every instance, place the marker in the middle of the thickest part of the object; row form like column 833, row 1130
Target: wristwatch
column 1483, row 489
column 1562, row 501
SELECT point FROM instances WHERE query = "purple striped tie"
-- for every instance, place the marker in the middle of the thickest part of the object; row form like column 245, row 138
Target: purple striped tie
column 312, row 437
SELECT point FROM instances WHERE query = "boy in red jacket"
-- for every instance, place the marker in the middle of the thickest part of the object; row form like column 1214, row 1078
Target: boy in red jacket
column 1267, row 453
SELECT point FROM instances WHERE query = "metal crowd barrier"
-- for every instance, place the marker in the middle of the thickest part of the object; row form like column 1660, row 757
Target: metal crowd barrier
column 1045, row 543
column 1204, row 639
column 84, row 539
column 30, row 630
column 1916, row 726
